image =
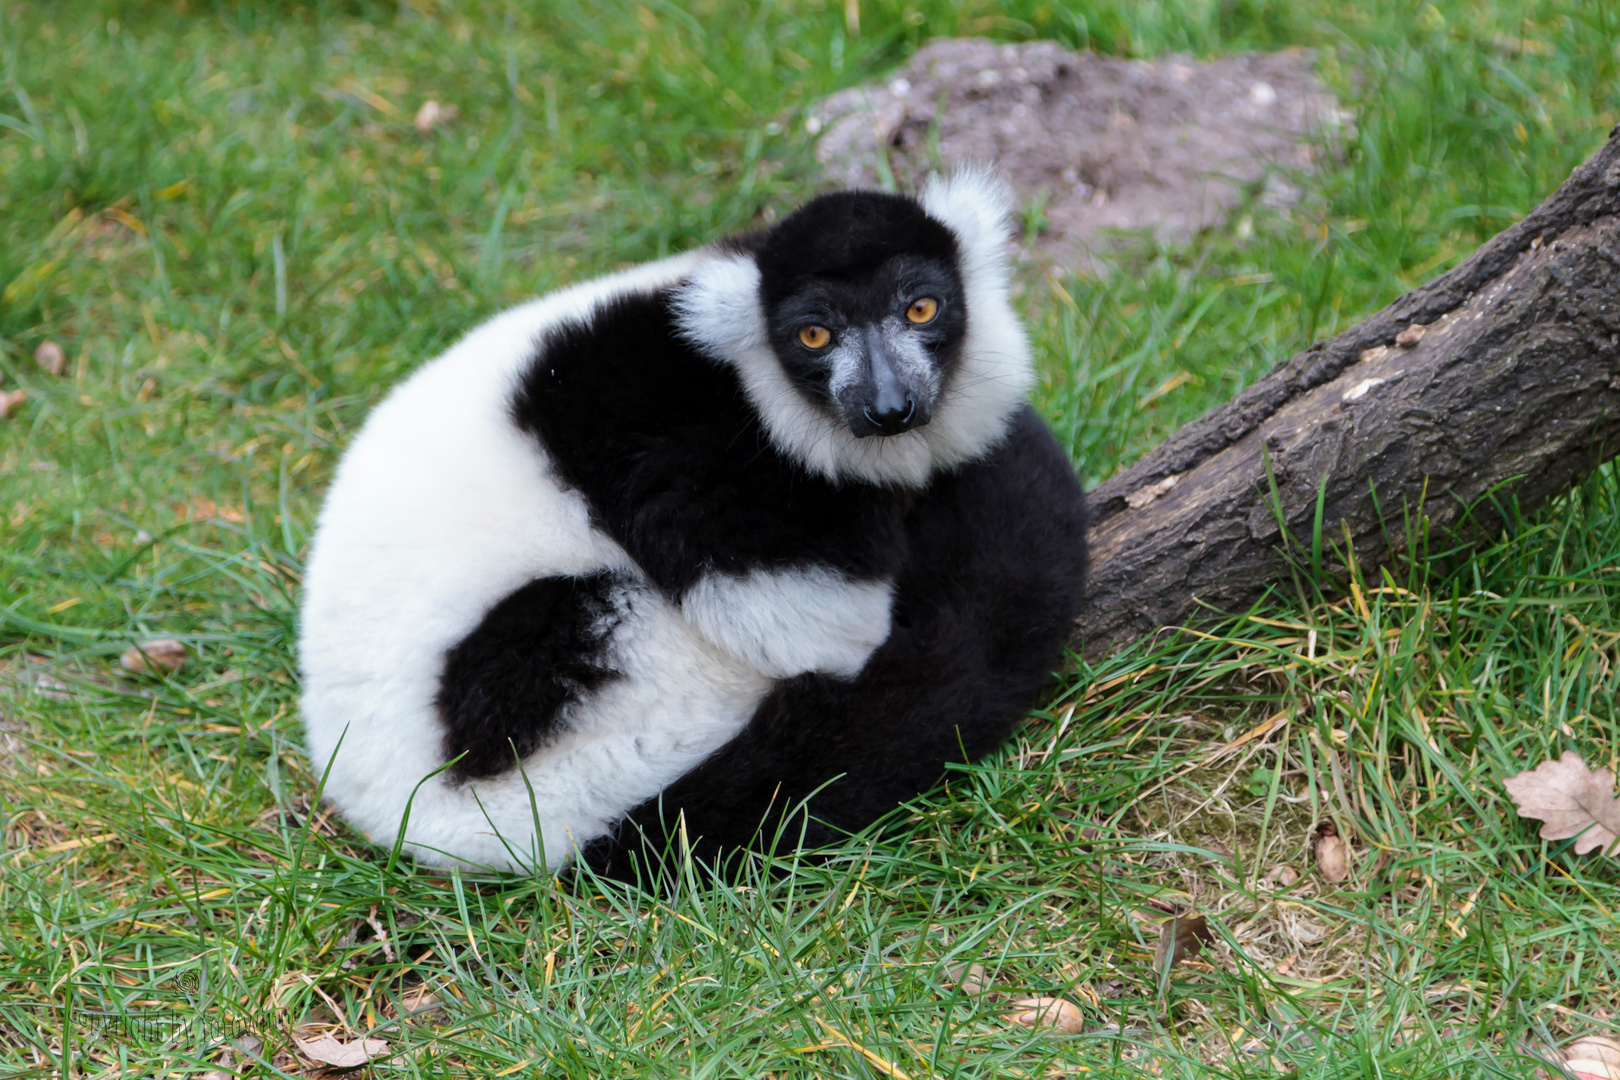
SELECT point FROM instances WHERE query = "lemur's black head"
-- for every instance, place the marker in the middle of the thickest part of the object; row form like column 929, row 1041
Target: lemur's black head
column 865, row 307
column 863, row 315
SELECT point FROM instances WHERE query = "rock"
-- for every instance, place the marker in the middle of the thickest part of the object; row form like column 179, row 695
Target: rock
column 1166, row 147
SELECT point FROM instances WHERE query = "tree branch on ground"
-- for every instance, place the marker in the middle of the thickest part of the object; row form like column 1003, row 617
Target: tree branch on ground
column 1495, row 385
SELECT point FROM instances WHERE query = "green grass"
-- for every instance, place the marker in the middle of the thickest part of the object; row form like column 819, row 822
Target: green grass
column 228, row 220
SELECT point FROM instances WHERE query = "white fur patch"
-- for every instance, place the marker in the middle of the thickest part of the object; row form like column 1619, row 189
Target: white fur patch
column 721, row 312
column 787, row 623
column 996, row 373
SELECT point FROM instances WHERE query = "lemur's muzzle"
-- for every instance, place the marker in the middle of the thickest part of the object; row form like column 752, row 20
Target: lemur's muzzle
column 884, row 402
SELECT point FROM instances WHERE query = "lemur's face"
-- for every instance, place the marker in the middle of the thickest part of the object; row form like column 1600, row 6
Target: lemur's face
column 865, row 307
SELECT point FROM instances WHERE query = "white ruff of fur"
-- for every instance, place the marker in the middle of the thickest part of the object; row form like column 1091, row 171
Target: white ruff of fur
column 721, row 313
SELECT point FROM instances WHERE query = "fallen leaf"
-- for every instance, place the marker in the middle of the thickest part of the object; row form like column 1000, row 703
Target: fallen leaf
column 432, row 114
column 228, row 1067
column 1593, row 1058
column 9, row 402
column 226, row 1070
column 342, row 1055
column 420, row 1003
column 1282, row 877
column 49, row 355
column 1180, row 939
column 1332, row 853
column 972, row 979
column 1048, row 1013
column 164, row 656
column 1571, row 801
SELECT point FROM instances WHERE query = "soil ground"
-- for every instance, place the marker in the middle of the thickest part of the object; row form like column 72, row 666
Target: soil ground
column 1100, row 150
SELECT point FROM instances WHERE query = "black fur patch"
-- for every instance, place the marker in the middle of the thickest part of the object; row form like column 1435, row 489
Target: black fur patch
column 847, row 234
column 676, row 467
column 536, row 651
column 983, row 608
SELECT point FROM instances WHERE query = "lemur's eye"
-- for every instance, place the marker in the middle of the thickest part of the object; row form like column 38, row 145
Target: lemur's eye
column 815, row 337
column 923, row 310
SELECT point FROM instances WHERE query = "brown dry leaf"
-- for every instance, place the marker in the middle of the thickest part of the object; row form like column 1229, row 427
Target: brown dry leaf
column 421, row 1004
column 1281, row 877
column 163, row 656
column 9, row 400
column 1048, row 1014
column 971, row 978
column 49, row 355
column 1593, row 1058
column 227, row 1066
column 1571, row 800
column 342, row 1055
column 1332, row 853
column 1180, row 939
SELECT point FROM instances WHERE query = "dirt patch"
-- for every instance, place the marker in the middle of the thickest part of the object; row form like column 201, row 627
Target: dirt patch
column 1104, row 149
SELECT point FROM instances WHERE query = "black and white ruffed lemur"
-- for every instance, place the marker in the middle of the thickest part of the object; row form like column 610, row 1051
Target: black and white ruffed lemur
column 765, row 522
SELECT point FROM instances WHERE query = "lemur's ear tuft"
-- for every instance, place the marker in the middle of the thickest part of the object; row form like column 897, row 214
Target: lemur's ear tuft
column 977, row 205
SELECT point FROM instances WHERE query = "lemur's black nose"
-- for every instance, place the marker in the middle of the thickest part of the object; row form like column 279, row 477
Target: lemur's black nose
column 891, row 417
column 892, row 408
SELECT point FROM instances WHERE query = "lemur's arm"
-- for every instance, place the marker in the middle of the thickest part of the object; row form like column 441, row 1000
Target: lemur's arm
column 789, row 622
column 788, row 574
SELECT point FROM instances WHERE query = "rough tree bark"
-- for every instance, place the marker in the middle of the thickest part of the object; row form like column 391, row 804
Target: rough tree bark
column 1500, row 378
